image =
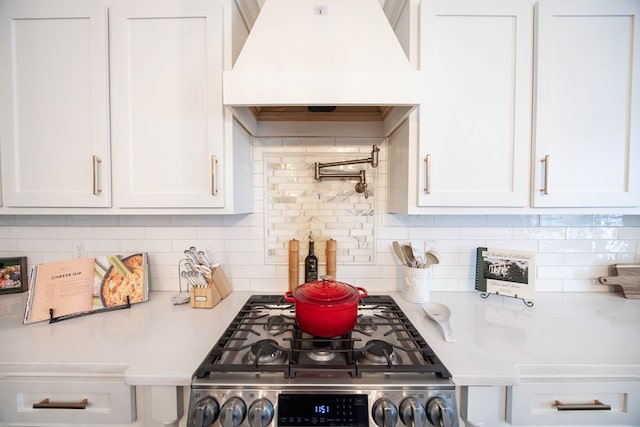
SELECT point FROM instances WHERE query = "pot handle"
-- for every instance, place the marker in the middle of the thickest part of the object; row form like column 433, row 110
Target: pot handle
column 288, row 297
column 363, row 292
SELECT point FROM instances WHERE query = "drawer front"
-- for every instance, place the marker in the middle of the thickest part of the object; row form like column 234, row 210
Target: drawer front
column 108, row 401
column 574, row 403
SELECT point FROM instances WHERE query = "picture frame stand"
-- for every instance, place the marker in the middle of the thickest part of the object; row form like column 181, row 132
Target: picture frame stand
column 527, row 302
column 53, row 319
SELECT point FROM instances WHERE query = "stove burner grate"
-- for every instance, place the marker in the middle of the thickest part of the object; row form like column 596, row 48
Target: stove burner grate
column 264, row 337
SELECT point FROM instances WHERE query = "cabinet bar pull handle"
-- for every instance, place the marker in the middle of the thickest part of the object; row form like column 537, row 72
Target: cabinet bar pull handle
column 46, row 404
column 427, row 174
column 545, row 188
column 214, row 187
column 596, row 405
column 96, row 189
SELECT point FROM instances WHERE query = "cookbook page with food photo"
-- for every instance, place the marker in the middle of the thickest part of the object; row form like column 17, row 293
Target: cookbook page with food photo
column 76, row 287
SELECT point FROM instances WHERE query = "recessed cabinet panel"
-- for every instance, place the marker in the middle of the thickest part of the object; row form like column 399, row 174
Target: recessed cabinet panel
column 587, row 122
column 96, row 401
column 53, row 104
column 575, row 403
column 474, row 123
column 167, row 114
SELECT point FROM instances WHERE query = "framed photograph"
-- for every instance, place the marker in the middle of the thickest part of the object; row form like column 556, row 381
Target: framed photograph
column 506, row 272
column 14, row 276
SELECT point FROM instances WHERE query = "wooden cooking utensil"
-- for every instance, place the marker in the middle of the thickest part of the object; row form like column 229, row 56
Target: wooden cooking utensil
column 627, row 277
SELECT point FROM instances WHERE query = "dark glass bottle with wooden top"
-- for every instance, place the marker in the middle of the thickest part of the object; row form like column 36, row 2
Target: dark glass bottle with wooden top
column 310, row 264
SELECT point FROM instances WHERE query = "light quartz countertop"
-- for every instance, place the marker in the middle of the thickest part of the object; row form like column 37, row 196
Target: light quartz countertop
column 499, row 341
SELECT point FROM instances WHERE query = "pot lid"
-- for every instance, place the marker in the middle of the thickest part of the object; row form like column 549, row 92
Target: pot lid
column 326, row 292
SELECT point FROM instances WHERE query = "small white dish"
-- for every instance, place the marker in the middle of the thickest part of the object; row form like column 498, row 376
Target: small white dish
column 440, row 314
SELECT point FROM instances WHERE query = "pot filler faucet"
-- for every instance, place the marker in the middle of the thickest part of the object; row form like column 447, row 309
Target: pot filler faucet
column 361, row 186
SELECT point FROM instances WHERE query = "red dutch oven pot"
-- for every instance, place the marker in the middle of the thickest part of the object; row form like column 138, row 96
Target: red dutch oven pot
column 326, row 308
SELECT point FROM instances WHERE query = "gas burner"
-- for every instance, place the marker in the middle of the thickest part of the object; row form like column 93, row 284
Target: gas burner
column 275, row 324
column 367, row 324
column 321, row 355
column 321, row 350
column 380, row 352
column 265, row 352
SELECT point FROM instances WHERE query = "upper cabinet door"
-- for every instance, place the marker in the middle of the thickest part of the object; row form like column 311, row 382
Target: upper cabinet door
column 54, row 136
column 166, row 106
column 475, row 122
column 587, row 114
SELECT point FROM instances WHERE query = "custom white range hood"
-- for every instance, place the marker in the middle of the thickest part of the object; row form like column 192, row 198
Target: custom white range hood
column 322, row 53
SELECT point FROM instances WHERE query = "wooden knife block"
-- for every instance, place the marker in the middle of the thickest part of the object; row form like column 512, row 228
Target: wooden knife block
column 218, row 287
column 205, row 297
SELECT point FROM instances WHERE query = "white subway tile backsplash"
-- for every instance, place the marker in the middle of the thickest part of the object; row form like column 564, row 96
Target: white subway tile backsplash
column 146, row 245
column 564, row 246
column 612, row 245
column 609, row 220
column 566, row 220
column 122, row 233
column 489, row 233
column 8, row 247
column 16, row 232
column 572, row 250
column 513, row 220
column 540, row 233
column 37, row 220
column 44, row 245
column 152, row 233
column 460, row 220
column 629, row 233
column 584, row 233
column 66, row 233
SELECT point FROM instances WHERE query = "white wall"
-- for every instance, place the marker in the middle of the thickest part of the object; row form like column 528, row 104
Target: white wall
column 572, row 250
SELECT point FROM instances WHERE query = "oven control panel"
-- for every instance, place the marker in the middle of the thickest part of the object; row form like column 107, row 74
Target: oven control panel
column 243, row 407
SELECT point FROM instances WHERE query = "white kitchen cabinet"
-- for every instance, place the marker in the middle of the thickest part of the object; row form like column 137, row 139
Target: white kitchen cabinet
column 54, row 129
column 587, row 107
column 534, row 403
column 172, row 139
column 41, row 400
column 473, row 144
column 574, row 403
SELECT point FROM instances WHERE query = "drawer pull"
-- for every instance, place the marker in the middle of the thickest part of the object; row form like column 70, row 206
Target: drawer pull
column 596, row 405
column 46, row 404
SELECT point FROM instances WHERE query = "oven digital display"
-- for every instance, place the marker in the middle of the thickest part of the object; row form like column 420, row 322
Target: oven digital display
column 297, row 410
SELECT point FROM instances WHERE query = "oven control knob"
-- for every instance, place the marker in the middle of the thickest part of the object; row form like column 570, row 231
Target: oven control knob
column 233, row 412
column 439, row 413
column 384, row 413
column 260, row 413
column 205, row 413
column 412, row 413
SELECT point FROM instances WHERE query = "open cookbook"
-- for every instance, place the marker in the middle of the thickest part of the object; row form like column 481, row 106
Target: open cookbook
column 64, row 289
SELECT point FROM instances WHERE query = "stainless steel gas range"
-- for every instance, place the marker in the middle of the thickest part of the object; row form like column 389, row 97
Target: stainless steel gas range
column 264, row 371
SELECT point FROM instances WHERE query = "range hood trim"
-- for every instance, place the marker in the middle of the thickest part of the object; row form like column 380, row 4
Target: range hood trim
column 321, row 88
